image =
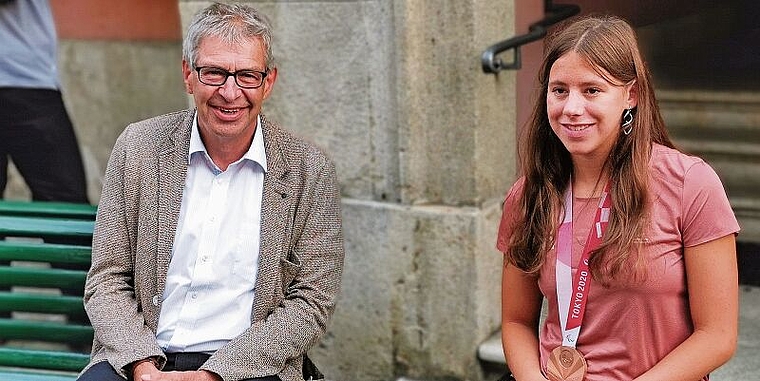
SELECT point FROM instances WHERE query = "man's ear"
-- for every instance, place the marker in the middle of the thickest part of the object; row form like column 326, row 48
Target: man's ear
column 269, row 81
column 187, row 76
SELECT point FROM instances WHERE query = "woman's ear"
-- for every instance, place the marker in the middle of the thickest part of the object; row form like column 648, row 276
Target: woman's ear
column 633, row 94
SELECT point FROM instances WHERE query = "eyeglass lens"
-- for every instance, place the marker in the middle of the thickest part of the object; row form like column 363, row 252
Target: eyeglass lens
column 213, row 76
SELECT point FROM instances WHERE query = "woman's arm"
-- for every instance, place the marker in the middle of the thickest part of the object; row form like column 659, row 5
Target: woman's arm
column 520, row 311
column 712, row 283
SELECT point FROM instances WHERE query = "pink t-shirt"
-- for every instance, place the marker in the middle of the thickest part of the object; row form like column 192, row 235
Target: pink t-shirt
column 627, row 330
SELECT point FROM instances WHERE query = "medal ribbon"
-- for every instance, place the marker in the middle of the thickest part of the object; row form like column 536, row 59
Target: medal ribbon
column 572, row 292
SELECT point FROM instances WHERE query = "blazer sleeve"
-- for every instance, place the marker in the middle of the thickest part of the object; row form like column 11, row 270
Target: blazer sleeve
column 314, row 267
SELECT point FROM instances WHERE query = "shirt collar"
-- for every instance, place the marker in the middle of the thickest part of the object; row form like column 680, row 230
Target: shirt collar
column 255, row 153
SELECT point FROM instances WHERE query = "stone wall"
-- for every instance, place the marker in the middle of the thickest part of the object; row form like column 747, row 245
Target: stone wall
column 109, row 84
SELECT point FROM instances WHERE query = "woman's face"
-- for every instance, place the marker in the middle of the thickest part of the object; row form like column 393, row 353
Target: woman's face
column 585, row 109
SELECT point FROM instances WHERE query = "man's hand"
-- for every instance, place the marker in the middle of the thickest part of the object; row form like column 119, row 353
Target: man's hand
column 195, row 375
column 144, row 369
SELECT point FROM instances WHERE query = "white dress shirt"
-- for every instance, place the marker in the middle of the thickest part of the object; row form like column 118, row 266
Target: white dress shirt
column 210, row 283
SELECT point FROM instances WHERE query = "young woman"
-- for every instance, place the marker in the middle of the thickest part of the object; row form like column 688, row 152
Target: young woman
column 631, row 242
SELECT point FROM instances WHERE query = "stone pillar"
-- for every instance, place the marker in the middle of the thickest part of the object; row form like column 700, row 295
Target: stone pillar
column 423, row 142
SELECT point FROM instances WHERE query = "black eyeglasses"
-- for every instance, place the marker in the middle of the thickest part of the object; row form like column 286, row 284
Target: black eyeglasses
column 246, row 79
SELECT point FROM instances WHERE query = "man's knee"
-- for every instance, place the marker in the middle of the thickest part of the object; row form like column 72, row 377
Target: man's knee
column 102, row 371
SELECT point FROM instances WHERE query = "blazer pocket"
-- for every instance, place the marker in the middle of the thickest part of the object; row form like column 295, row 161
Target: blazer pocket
column 290, row 266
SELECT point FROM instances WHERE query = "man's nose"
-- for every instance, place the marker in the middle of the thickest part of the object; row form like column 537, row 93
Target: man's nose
column 230, row 90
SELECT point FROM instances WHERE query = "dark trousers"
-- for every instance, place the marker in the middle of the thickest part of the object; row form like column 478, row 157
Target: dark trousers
column 36, row 133
column 103, row 371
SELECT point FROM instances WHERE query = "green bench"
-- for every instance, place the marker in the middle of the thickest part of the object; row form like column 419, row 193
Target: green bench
column 48, row 209
column 39, row 325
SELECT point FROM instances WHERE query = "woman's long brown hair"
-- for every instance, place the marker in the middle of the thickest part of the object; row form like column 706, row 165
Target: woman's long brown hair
column 609, row 44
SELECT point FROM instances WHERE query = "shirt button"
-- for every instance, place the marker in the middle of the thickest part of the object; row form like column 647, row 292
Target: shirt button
column 204, row 258
column 155, row 300
column 194, row 295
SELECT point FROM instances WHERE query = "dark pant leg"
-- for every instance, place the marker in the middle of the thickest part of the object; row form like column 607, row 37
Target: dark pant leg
column 102, row 371
column 40, row 139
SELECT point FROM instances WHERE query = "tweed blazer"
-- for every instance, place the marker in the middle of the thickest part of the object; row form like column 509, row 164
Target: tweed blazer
column 300, row 260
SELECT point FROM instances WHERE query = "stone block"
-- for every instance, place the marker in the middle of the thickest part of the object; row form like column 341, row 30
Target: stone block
column 420, row 292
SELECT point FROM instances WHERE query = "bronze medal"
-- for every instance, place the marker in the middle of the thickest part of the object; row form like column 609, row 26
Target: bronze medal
column 566, row 364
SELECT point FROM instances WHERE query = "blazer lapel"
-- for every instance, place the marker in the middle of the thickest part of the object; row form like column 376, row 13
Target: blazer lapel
column 276, row 223
column 172, row 171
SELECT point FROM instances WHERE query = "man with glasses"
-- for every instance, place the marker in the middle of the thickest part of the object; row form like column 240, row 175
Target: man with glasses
column 218, row 248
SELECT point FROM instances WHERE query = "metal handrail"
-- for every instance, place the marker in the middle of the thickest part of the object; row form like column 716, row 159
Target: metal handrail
column 552, row 15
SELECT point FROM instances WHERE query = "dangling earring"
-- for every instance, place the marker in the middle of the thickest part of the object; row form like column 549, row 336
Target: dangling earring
column 627, row 124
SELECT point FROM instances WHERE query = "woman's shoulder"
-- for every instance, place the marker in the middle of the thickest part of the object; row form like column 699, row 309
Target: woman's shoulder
column 510, row 211
column 516, row 187
column 688, row 187
column 512, row 197
column 673, row 166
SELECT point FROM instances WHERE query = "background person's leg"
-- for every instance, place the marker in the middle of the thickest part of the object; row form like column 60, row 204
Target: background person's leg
column 42, row 144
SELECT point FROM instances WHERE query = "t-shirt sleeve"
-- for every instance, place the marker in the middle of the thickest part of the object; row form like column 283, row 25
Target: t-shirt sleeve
column 509, row 215
column 707, row 213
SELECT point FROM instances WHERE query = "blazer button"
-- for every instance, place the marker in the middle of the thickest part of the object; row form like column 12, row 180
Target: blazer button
column 155, row 300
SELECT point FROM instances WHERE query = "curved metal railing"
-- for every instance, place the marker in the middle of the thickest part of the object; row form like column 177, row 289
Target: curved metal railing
column 553, row 14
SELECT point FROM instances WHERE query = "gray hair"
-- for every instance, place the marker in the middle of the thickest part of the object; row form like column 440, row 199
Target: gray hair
column 233, row 23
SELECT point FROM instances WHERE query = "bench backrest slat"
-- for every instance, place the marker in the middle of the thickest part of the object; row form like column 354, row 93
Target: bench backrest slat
column 48, row 209
column 28, row 358
column 40, row 303
column 18, row 374
column 41, row 227
column 42, row 277
column 44, row 252
column 15, row 329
